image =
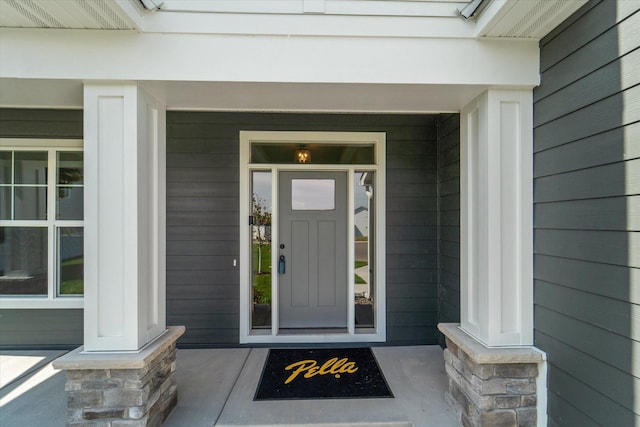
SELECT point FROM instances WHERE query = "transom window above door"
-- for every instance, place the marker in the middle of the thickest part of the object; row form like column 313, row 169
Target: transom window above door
column 313, row 153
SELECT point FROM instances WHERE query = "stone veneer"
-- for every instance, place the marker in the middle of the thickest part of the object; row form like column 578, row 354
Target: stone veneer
column 491, row 386
column 132, row 389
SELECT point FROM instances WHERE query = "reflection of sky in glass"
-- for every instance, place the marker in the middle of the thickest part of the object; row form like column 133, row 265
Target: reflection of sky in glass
column 359, row 192
column 313, row 194
column 262, row 187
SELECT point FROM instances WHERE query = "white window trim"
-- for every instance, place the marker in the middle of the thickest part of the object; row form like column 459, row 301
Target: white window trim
column 51, row 300
column 378, row 139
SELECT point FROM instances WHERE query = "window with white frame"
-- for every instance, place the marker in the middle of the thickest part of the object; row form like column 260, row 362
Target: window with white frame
column 41, row 220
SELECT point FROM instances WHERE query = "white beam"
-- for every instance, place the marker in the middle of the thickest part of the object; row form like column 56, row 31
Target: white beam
column 229, row 96
column 99, row 55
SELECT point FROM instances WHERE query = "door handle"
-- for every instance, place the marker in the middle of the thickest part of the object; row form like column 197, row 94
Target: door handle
column 282, row 265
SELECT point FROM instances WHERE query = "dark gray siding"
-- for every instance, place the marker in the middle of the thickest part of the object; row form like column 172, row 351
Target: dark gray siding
column 40, row 328
column 55, row 328
column 203, row 228
column 412, row 217
column 449, row 218
column 33, row 123
column 587, row 215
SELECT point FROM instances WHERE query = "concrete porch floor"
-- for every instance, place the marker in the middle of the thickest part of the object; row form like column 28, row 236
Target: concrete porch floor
column 216, row 388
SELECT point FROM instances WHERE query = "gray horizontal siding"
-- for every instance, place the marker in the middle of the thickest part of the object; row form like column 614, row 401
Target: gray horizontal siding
column 38, row 123
column 612, row 146
column 600, row 385
column 607, row 247
column 203, row 219
column 449, row 218
column 599, row 117
column 202, row 232
column 40, row 328
column 584, row 47
column 606, row 280
column 31, row 328
column 615, row 179
column 616, row 213
column 412, row 188
column 591, row 88
column 587, row 215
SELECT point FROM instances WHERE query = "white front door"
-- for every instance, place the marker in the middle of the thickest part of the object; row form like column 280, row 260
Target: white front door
column 312, row 251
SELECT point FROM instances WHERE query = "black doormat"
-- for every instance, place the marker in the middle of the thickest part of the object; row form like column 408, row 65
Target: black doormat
column 342, row 373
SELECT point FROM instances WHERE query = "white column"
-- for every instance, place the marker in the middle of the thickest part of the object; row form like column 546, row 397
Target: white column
column 124, row 137
column 496, row 232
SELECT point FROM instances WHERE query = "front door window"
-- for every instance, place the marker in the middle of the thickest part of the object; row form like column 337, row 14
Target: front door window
column 313, row 194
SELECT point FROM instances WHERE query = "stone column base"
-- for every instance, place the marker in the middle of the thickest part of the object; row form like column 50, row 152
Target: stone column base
column 122, row 389
column 492, row 386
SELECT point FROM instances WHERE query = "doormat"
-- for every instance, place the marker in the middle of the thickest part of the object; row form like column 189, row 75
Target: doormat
column 342, row 373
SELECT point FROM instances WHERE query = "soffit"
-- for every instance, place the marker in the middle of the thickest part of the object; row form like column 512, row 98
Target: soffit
column 512, row 19
column 525, row 19
column 66, row 14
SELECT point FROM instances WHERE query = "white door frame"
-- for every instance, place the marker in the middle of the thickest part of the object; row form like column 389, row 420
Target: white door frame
column 378, row 140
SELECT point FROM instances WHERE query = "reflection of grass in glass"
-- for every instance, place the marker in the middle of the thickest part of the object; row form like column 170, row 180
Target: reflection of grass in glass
column 262, row 280
column 262, row 289
column 71, row 276
column 265, row 257
column 72, row 287
column 359, row 280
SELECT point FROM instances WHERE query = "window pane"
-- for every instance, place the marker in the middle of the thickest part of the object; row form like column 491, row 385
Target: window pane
column 5, row 202
column 5, row 167
column 30, row 167
column 313, row 194
column 23, row 261
column 364, row 241
column 70, row 203
column 261, row 249
column 70, row 168
column 71, row 258
column 30, row 203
